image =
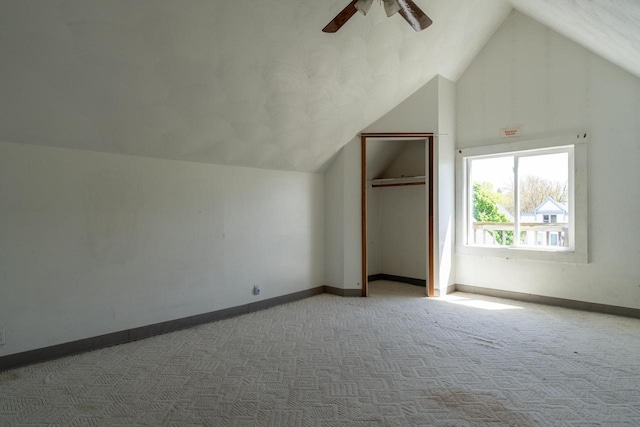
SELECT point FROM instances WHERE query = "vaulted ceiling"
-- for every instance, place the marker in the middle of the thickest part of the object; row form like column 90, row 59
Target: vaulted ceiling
column 609, row 28
column 245, row 82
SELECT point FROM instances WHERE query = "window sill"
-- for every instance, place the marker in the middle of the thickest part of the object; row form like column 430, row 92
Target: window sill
column 551, row 255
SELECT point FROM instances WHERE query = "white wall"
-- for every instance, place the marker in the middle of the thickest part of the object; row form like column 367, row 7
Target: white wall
column 530, row 75
column 444, row 185
column 93, row 243
column 418, row 113
column 343, row 237
column 375, row 246
column 352, row 232
column 334, row 222
column 404, row 231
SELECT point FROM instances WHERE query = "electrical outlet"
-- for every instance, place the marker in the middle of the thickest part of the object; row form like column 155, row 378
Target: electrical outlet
column 2, row 336
column 256, row 290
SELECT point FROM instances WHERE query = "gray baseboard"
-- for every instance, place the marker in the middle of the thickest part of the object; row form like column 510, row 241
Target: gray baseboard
column 343, row 292
column 401, row 279
column 374, row 277
column 94, row 343
column 558, row 302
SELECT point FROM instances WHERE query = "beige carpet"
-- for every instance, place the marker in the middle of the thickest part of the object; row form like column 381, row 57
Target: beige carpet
column 394, row 359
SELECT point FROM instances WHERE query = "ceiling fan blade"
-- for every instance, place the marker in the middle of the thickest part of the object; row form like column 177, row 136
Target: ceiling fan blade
column 341, row 18
column 414, row 15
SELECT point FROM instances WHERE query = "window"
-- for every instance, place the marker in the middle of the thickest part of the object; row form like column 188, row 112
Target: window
column 523, row 196
column 510, row 194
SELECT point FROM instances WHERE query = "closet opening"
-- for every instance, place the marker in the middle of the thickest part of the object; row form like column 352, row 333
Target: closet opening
column 397, row 208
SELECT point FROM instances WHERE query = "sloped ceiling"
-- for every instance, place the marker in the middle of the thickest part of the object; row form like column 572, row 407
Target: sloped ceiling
column 247, row 82
column 381, row 154
column 609, row 28
column 242, row 82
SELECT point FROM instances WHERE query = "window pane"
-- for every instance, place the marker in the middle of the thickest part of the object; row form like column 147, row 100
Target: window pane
column 492, row 202
column 544, row 200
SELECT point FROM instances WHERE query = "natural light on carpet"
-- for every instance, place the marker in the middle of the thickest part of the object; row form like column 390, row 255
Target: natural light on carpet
column 476, row 303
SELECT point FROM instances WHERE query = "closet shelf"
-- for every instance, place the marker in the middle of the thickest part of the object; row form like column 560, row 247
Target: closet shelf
column 398, row 182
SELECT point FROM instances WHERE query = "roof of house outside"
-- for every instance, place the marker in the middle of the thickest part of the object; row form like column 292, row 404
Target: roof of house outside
column 551, row 206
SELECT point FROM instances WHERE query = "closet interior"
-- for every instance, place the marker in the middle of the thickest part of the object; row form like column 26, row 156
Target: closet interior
column 397, row 211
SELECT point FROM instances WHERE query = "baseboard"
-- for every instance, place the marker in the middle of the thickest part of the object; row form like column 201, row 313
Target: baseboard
column 558, row 302
column 401, row 279
column 95, row 343
column 343, row 292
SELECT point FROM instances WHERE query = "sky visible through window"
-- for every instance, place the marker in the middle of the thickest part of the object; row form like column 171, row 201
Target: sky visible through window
column 499, row 170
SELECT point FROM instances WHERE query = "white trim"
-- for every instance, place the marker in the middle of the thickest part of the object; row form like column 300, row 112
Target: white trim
column 578, row 251
column 516, row 200
column 533, row 144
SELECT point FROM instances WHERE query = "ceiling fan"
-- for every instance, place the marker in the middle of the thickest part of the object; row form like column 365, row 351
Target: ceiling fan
column 407, row 9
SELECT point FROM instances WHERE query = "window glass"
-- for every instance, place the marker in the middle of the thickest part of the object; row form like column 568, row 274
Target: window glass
column 543, row 194
column 520, row 199
column 491, row 200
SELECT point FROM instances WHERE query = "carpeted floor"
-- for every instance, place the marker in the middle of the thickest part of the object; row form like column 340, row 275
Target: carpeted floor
column 394, row 359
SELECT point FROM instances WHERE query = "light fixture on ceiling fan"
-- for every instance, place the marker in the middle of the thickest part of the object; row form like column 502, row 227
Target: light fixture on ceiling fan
column 391, row 7
column 363, row 6
column 407, row 9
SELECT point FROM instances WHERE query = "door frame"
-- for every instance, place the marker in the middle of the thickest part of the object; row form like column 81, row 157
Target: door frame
column 428, row 136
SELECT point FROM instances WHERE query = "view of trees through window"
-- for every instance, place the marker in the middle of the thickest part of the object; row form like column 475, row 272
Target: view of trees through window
column 542, row 193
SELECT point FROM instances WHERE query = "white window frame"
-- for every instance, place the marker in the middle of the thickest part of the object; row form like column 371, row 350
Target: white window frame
column 577, row 252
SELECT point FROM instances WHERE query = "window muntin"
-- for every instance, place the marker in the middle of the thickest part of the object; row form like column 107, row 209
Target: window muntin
column 525, row 194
